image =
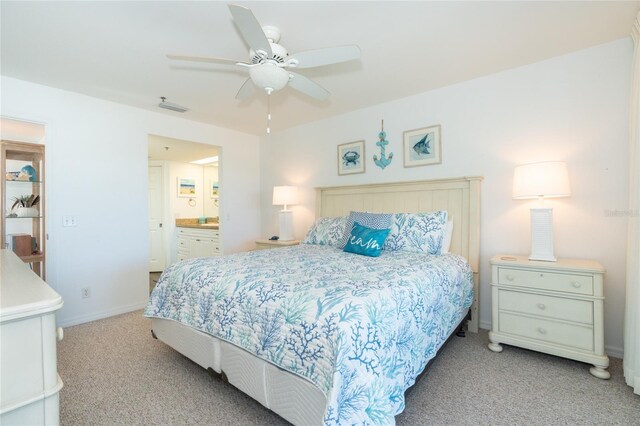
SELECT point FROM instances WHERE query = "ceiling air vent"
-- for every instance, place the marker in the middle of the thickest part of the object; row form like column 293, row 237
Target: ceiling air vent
column 173, row 107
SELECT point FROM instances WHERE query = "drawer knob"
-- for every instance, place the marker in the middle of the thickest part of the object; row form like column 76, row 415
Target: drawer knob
column 541, row 275
column 59, row 334
column 510, row 277
column 576, row 284
column 542, row 330
column 542, row 306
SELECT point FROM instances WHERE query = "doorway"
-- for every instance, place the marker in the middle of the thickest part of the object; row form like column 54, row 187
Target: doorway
column 171, row 164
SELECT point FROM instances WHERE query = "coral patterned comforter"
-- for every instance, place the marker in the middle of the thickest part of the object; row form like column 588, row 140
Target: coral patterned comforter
column 360, row 328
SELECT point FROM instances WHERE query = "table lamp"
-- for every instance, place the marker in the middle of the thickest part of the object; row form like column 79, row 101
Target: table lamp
column 541, row 180
column 283, row 196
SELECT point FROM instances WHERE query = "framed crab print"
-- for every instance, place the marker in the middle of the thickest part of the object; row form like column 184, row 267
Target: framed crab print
column 422, row 147
column 351, row 158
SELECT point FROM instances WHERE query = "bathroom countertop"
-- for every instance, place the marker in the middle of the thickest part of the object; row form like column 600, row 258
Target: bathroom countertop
column 193, row 223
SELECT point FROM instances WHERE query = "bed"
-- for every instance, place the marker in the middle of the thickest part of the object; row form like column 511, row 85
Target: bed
column 325, row 337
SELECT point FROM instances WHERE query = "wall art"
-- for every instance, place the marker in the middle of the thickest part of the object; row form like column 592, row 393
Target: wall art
column 215, row 189
column 351, row 158
column 186, row 187
column 384, row 161
column 422, row 147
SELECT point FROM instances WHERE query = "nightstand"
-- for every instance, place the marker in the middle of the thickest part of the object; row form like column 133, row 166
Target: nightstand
column 550, row 307
column 270, row 244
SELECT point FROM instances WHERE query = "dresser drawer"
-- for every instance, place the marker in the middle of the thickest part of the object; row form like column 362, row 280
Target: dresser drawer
column 568, row 335
column 198, row 233
column 21, row 361
column 546, row 306
column 568, row 283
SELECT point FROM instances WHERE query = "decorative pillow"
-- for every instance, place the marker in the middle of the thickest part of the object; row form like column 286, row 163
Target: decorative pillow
column 366, row 241
column 370, row 220
column 417, row 232
column 327, row 231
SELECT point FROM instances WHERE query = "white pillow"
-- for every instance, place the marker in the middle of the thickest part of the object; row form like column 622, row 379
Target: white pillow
column 448, row 234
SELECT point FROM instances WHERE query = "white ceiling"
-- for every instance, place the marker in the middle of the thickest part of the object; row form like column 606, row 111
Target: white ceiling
column 116, row 50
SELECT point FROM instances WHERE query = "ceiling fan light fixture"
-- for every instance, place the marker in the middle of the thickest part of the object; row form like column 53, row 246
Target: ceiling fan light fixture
column 269, row 75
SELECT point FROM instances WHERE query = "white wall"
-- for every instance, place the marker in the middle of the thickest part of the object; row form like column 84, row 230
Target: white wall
column 96, row 169
column 572, row 108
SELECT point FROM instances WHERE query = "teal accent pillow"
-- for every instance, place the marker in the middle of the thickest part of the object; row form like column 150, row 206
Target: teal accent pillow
column 370, row 220
column 366, row 241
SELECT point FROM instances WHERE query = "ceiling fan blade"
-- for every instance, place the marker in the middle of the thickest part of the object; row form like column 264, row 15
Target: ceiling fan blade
column 308, row 87
column 247, row 89
column 203, row 59
column 250, row 29
column 327, row 56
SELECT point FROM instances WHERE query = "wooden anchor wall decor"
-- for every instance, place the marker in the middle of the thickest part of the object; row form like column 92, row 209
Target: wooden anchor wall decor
column 382, row 143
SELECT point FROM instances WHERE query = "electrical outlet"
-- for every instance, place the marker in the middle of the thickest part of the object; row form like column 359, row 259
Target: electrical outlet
column 69, row 221
column 86, row 293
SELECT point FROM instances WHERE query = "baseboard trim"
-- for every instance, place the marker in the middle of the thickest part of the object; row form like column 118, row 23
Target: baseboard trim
column 101, row 315
column 485, row 325
column 612, row 351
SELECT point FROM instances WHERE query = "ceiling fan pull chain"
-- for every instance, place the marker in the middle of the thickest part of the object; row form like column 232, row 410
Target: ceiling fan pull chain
column 268, row 111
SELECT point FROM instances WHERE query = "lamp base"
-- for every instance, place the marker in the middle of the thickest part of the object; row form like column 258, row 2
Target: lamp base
column 286, row 225
column 542, row 234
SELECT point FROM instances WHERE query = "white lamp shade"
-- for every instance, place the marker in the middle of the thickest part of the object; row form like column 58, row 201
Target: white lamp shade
column 285, row 195
column 547, row 179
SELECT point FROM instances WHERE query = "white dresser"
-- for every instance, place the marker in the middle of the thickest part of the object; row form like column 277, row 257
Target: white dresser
column 551, row 307
column 29, row 383
column 198, row 242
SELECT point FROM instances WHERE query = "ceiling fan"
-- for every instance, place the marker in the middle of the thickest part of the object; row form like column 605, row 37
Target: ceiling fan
column 269, row 62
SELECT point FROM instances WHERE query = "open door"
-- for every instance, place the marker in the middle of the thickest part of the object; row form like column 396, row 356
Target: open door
column 156, row 235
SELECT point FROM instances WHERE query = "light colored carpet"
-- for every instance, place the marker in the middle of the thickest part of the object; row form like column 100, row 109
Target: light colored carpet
column 115, row 373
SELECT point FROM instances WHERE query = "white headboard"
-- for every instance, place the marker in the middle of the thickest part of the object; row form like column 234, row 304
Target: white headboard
column 460, row 197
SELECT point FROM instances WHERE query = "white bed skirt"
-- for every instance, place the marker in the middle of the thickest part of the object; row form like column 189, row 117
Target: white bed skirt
column 292, row 397
column 288, row 395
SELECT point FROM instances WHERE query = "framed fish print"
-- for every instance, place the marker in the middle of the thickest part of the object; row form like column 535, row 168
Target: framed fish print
column 351, row 158
column 422, row 147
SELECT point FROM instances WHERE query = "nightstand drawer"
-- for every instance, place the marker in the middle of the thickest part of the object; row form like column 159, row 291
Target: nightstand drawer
column 547, row 306
column 569, row 335
column 569, row 283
